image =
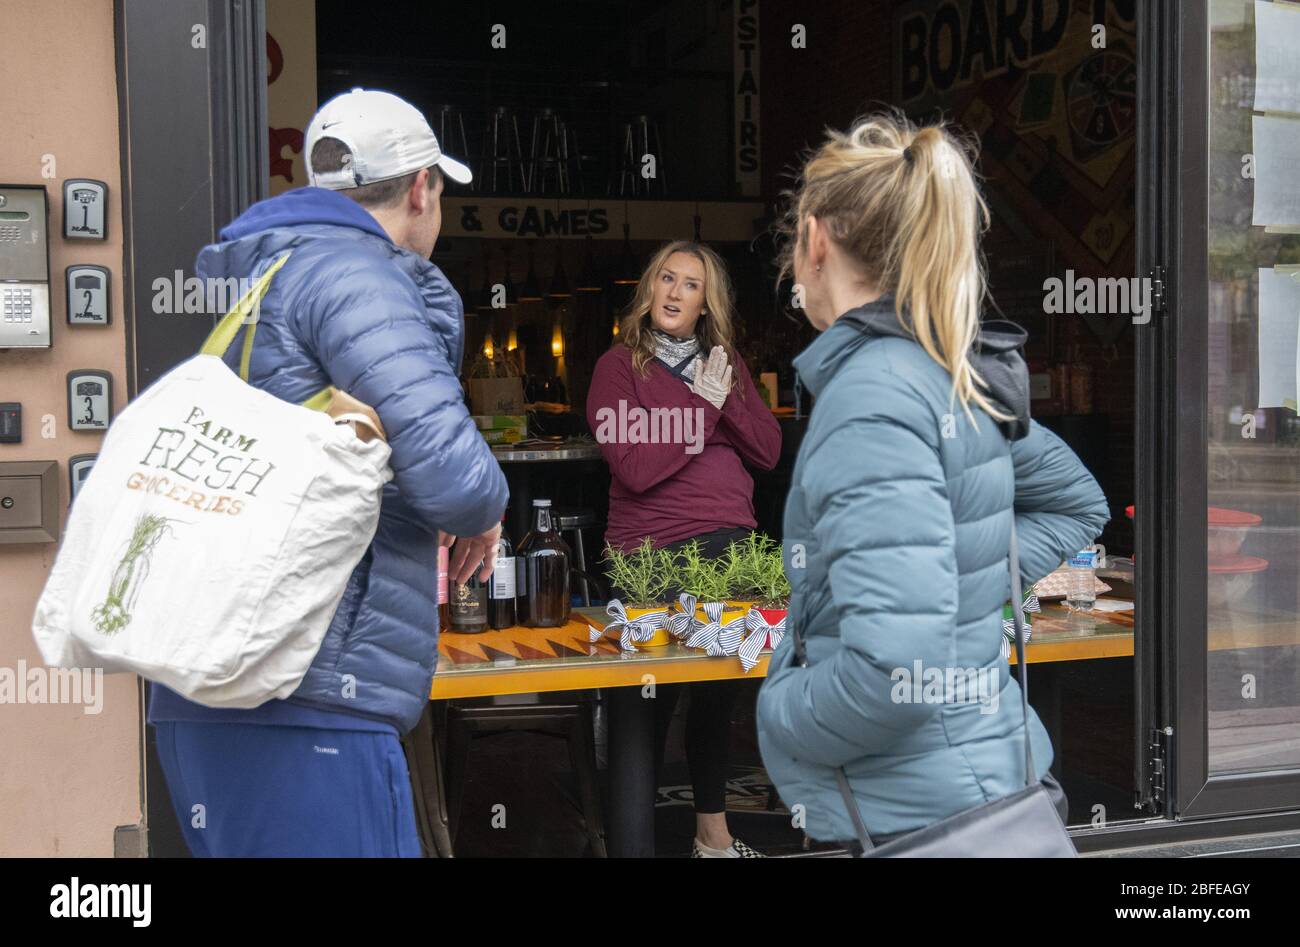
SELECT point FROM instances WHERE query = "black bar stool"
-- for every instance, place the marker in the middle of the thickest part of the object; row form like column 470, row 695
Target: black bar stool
column 503, row 152
column 574, row 520
column 548, row 154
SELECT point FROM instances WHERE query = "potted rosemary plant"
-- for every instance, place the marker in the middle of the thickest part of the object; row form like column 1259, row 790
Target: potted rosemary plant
column 762, row 576
column 717, row 622
column 644, row 575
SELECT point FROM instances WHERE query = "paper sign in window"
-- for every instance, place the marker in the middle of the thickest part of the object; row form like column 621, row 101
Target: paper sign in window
column 1277, row 185
column 1279, row 338
column 1277, row 65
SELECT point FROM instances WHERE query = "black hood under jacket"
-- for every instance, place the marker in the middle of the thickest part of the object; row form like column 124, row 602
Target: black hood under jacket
column 996, row 356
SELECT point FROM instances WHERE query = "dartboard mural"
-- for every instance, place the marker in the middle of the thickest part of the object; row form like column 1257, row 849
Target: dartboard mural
column 1101, row 101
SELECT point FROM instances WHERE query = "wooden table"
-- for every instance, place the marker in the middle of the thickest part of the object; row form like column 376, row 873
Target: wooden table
column 1061, row 635
column 528, row 660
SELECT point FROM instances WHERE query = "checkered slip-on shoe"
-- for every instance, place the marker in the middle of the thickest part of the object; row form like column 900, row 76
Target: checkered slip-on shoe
column 737, row 849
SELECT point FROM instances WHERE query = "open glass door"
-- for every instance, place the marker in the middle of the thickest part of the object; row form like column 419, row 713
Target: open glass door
column 1235, row 634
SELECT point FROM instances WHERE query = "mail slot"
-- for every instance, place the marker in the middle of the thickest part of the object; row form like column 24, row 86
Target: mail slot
column 29, row 502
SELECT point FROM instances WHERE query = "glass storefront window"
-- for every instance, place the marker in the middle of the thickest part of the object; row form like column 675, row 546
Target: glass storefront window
column 1253, row 536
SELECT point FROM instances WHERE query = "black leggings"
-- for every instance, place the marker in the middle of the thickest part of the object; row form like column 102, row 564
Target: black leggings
column 708, row 717
column 708, row 737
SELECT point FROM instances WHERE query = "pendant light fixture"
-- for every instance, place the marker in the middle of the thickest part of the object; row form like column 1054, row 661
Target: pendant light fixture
column 627, row 273
column 589, row 280
column 531, row 291
column 559, row 290
column 512, row 295
column 484, row 301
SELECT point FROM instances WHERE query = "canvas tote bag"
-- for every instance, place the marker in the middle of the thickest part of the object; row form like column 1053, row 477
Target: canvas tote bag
column 213, row 540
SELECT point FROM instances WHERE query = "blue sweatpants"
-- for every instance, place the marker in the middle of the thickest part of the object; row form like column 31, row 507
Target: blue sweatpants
column 257, row 790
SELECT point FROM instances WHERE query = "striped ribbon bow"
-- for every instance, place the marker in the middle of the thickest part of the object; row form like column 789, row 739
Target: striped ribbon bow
column 759, row 635
column 634, row 630
column 684, row 622
column 714, row 637
column 1030, row 604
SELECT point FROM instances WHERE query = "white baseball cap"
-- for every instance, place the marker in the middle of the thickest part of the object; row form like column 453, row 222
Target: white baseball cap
column 388, row 137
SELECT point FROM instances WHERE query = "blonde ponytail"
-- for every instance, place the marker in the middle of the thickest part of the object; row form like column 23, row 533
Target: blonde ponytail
column 903, row 203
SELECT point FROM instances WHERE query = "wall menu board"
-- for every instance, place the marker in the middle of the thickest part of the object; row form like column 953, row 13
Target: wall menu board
column 1053, row 101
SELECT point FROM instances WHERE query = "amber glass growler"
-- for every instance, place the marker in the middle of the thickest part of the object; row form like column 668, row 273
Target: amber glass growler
column 545, row 557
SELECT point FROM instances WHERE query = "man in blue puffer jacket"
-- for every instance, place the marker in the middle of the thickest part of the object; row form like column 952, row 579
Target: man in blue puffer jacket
column 358, row 306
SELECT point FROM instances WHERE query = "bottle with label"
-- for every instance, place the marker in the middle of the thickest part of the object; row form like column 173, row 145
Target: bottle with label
column 1081, row 592
column 501, row 586
column 545, row 556
column 444, row 615
column 468, row 605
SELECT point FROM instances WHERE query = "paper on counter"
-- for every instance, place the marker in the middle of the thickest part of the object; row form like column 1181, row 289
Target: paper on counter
column 1277, row 65
column 1279, row 339
column 1111, row 605
column 1276, row 146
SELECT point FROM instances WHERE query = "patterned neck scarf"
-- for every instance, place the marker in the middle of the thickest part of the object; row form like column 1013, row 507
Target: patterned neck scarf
column 671, row 350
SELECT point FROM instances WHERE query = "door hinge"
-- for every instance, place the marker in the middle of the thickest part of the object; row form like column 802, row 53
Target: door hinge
column 131, row 841
column 1159, row 288
column 1161, row 737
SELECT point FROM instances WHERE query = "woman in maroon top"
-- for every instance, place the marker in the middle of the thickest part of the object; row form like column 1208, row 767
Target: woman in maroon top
column 680, row 474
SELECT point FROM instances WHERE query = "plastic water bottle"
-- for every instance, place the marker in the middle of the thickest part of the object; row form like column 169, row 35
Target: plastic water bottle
column 1079, row 594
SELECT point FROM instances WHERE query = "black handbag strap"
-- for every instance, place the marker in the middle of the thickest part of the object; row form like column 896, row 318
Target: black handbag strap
column 1022, row 672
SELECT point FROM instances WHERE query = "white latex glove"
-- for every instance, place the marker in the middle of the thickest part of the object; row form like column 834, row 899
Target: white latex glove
column 713, row 378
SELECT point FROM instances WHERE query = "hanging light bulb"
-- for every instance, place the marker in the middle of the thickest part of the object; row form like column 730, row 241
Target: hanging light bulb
column 557, row 341
column 488, row 350
column 512, row 340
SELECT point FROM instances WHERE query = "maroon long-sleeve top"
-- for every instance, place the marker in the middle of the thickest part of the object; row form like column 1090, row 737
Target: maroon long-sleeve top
column 663, row 490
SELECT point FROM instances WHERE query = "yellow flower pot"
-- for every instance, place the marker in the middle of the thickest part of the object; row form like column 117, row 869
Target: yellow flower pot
column 730, row 611
column 660, row 637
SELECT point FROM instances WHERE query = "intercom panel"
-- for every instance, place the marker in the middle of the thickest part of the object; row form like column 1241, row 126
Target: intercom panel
column 24, row 267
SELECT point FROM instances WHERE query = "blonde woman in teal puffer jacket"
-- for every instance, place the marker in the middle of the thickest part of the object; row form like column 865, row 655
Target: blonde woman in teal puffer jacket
column 918, row 455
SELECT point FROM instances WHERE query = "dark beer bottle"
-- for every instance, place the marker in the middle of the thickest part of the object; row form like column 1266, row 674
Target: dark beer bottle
column 468, row 605
column 545, row 557
column 501, row 585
